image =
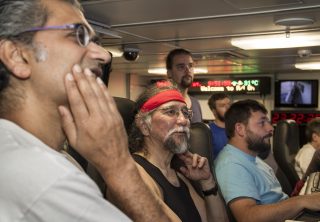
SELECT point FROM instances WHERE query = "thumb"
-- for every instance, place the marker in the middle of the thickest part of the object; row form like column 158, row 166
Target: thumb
column 68, row 125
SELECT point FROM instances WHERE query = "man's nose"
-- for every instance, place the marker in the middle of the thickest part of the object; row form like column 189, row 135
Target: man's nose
column 97, row 52
column 181, row 118
column 270, row 128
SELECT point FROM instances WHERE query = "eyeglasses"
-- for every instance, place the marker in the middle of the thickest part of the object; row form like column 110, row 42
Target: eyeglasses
column 182, row 66
column 82, row 32
column 175, row 112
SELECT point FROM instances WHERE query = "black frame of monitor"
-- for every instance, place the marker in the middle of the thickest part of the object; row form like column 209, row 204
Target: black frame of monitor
column 298, row 84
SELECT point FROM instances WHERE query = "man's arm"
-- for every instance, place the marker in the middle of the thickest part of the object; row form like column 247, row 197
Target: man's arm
column 198, row 169
column 95, row 129
column 246, row 209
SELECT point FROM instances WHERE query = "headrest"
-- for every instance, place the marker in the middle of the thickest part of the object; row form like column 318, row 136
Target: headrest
column 126, row 109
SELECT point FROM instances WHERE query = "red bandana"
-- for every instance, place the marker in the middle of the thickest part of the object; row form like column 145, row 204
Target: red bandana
column 161, row 98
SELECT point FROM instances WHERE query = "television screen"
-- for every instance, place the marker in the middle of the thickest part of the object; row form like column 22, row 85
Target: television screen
column 296, row 93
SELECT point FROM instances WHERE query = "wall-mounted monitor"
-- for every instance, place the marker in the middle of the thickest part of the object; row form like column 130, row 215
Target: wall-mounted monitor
column 296, row 93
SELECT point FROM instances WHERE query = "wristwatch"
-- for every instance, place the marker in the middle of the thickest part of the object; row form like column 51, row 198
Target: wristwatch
column 212, row 191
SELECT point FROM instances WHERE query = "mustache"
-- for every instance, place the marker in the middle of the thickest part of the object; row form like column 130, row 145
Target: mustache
column 269, row 135
column 180, row 129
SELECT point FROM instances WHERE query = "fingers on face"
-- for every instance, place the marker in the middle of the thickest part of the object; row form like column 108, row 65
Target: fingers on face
column 88, row 95
column 75, row 99
column 198, row 161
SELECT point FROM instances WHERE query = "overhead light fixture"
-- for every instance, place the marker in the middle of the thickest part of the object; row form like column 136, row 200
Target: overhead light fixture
column 163, row 71
column 294, row 21
column 277, row 41
column 308, row 65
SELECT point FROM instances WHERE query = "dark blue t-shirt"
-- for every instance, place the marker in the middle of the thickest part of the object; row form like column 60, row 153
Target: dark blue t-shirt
column 219, row 138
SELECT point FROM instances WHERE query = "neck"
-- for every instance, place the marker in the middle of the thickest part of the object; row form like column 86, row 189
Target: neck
column 158, row 155
column 186, row 96
column 220, row 123
column 242, row 145
column 314, row 145
column 161, row 158
column 45, row 124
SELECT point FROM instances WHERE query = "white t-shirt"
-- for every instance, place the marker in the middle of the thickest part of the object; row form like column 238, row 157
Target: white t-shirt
column 303, row 159
column 38, row 183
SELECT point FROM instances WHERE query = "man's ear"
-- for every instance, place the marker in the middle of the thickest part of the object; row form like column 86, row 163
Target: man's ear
column 14, row 57
column 240, row 129
column 142, row 125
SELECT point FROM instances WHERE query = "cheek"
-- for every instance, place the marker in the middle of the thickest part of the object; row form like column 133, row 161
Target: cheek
column 162, row 127
column 41, row 53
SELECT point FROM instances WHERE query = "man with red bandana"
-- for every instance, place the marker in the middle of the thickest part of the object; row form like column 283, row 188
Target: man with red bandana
column 159, row 135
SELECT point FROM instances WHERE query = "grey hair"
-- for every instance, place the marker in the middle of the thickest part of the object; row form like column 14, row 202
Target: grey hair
column 16, row 16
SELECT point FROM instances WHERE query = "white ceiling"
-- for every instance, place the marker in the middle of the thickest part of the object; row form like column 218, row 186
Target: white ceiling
column 205, row 28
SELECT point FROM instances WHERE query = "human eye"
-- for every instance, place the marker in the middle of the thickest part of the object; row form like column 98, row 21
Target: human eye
column 262, row 123
column 180, row 66
column 74, row 34
column 170, row 112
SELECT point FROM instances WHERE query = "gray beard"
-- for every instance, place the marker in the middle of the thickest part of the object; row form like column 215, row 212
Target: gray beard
column 175, row 147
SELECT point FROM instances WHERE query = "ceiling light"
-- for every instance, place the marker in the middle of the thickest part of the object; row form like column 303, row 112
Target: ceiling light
column 308, row 65
column 277, row 41
column 294, row 21
column 163, row 71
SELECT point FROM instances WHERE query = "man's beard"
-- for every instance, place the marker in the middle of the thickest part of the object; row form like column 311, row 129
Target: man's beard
column 258, row 144
column 177, row 140
column 220, row 117
column 186, row 81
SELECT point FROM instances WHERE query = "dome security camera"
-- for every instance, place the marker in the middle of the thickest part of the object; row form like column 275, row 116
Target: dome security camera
column 131, row 53
column 304, row 53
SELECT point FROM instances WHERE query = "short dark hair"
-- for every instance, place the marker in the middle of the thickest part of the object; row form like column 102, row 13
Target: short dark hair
column 240, row 112
column 313, row 126
column 136, row 138
column 214, row 97
column 173, row 53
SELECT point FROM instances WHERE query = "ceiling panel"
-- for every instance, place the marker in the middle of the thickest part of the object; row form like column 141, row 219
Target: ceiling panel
column 203, row 27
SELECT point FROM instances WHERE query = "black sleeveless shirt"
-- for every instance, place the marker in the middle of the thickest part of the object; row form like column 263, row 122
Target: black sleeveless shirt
column 177, row 198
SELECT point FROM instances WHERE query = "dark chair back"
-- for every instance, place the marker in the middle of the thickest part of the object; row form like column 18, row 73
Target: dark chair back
column 201, row 143
column 126, row 109
column 285, row 147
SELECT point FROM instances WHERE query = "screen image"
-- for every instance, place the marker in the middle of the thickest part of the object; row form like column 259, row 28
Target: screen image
column 297, row 93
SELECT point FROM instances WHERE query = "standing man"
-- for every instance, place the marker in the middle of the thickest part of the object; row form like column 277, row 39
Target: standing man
column 180, row 68
column 50, row 91
column 249, row 186
column 218, row 103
